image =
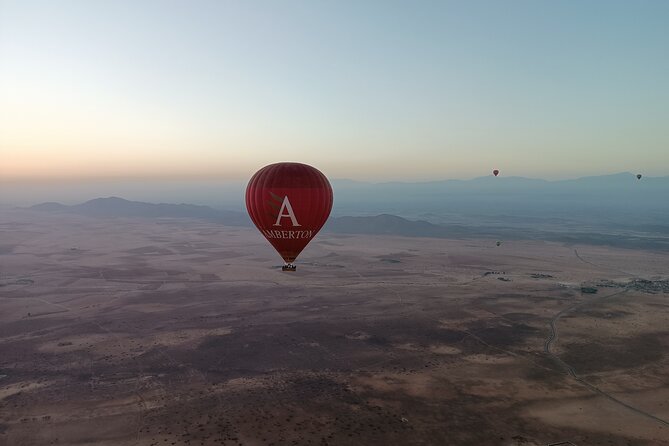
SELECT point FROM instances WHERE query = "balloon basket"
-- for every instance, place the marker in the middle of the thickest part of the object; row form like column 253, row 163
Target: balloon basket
column 288, row 267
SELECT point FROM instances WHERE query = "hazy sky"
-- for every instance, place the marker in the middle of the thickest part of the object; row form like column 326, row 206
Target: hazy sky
column 361, row 89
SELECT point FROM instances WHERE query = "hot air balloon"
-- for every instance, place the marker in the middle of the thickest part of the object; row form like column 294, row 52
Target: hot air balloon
column 289, row 203
column 495, row 172
column 498, row 243
column 638, row 176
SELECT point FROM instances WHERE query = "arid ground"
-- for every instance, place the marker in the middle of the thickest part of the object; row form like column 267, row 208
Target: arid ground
column 181, row 332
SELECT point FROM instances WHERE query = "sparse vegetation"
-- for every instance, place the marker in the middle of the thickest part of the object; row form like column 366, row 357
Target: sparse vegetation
column 224, row 350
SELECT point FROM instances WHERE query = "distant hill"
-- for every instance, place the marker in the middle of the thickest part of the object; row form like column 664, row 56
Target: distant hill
column 384, row 224
column 393, row 225
column 119, row 207
column 619, row 179
column 606, row 199
column 625, row 183
column 50, row 207
column 379, row 224
column 612, row 210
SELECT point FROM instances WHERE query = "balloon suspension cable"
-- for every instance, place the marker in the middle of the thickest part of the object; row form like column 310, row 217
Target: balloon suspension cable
column 288, row 267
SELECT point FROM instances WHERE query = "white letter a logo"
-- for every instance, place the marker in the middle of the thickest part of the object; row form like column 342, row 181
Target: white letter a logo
column 289, row 209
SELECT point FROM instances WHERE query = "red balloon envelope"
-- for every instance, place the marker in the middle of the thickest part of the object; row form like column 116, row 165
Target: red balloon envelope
column 495, row 172
column 289, row 203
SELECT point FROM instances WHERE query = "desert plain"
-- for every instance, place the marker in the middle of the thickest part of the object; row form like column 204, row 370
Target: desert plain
column 146, row 332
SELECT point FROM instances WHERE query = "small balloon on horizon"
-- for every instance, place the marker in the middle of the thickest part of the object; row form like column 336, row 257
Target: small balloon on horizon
column 495, row 172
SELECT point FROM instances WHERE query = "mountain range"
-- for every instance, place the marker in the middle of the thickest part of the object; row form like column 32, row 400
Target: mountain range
column 486, row 195
column 655, row 237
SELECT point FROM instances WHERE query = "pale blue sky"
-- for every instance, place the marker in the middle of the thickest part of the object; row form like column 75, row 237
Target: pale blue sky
column 363, row 90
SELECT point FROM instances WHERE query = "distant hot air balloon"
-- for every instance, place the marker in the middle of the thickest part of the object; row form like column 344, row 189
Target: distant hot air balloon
column 498, row 243
column 289, row 203
column 638, row 176
column 495, row 172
